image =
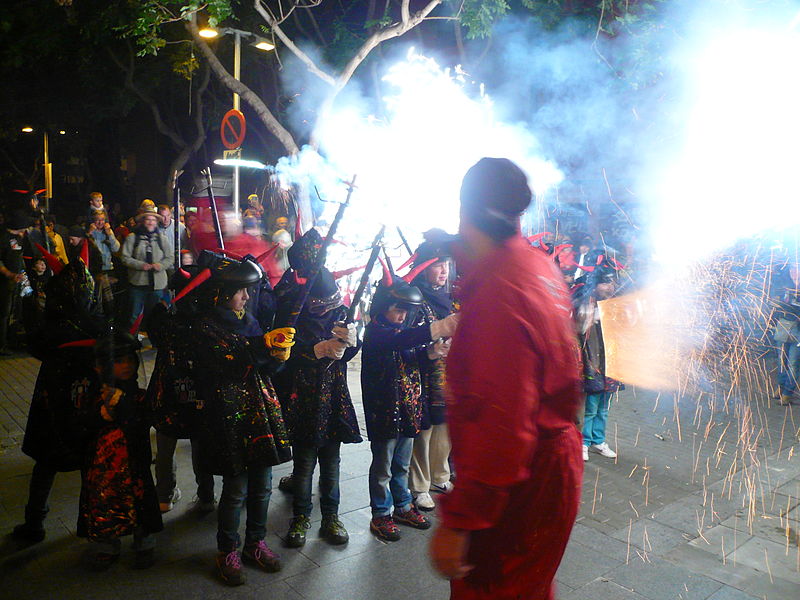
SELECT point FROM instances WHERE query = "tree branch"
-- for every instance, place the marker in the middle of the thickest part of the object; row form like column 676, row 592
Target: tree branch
column 162, row 127
column 305, row 58
column 257, row 104
column 404, row 12
column 381, row 36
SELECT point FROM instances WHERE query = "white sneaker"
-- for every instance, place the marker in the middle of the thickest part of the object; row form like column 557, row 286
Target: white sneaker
column 604, row 450
column 423, row 501
column 444, row 488
column 170, row 504
column 585, row 453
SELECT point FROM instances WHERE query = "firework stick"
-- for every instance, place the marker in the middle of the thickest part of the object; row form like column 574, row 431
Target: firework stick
column 212, row 201
column 362, row 285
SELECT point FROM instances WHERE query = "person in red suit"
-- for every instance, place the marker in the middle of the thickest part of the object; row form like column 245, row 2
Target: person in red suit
column 514, row 379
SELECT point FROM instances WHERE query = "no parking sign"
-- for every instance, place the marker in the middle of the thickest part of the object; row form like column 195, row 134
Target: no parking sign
column 232, row 129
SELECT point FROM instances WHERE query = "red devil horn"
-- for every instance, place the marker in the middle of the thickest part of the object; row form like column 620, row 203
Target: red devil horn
column 298, row 226
column 410, row 260
column 616, row 264
column 412, row 274
column 600, row 260
column 185, row 274
column 229, row 253
column 267, row 254
column 136, row 324
column 85, row 252
column 300, row 280
column 52, row 261
column 198, row 279
column 387, row 274
column 340, row 274
column 79, row 344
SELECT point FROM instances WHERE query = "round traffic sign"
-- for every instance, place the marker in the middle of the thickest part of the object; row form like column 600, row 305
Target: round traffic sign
column 232, row 129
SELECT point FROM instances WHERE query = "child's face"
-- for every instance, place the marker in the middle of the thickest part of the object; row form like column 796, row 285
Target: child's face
column 395, row 315
column 39, row 267
column 125, row 367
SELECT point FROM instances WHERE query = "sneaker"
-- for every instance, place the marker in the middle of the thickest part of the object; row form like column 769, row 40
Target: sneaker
column 101, row 561
column 170, row 504
column 604, row 450
column 333, row 530
column 204, row 507
column 385, row 528
column 444, row 488
column 413, row 518
column 230, row 568
column 261, row 554
column 286, row 484
column 296, row 536
column 585, row 453
column 144, row 559
column 423, row 501
column 28, row 533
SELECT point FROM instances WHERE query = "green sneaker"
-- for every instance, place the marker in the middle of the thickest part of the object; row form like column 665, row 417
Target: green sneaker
column 333, row 530
column 296, row 537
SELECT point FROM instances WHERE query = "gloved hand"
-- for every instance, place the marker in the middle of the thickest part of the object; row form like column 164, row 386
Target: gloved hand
column 282, row 337
column 332, row 348
column 347, row 334
column 439, row 349
column 280, row 354
column 444, row 327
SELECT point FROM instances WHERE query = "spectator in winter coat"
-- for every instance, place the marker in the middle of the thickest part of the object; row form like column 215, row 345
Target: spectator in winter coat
column 148, row 255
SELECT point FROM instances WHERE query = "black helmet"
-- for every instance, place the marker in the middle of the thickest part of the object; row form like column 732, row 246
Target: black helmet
column 399, row 294
column 229, row 273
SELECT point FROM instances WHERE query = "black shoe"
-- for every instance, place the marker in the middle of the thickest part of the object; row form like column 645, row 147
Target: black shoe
column 333, row 530
column 28, row 533
column 286, row 484
column 144, row 559
column 296, row 536
column 102, row 561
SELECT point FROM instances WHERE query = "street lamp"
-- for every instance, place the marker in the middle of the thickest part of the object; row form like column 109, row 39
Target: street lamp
column 48, row 167
column 261, row 44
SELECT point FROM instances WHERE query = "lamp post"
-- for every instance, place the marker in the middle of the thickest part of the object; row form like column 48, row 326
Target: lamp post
column 47, row 165
column 261, row 44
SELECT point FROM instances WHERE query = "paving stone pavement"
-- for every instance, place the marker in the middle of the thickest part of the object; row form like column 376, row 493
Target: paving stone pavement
column 703, row 503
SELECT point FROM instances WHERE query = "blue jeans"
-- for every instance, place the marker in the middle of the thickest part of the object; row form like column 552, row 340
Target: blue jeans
column 143, row 299
column 165, row 470
column 253, row 486
column 594, row 418
column 388, row 475
column 305, row 461
column 790, row 368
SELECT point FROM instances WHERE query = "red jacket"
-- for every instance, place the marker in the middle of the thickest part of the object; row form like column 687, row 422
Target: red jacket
column 514, row 381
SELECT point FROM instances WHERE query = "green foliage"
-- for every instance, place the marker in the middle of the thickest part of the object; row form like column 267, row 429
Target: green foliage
column 150, row 17
column 478, row 16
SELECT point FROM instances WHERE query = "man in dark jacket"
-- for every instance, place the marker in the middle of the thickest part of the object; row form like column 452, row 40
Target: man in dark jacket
column 313, row 389
column 13, row 245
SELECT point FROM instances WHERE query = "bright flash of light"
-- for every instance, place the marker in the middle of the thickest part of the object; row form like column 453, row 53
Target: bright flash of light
column 737, row 170
column 410, row 161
